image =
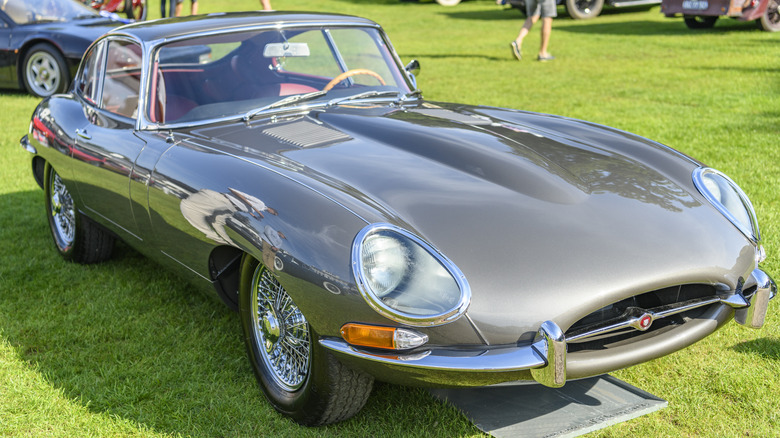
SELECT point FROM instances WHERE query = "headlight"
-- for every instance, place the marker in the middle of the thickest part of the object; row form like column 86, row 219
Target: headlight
column 727, row 197
column 407, row 280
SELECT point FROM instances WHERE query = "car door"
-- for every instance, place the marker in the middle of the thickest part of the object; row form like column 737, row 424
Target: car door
column 8, row 56
column 106, row 146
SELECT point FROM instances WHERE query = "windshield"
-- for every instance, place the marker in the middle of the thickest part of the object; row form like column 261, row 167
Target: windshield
column 39, row 11
column 241, row 74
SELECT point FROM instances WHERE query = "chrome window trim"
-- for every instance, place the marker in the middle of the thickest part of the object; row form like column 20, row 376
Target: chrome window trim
column 152, row 47
column 698, row 181
column 405, row 318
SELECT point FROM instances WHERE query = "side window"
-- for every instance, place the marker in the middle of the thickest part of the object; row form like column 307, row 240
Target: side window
column 123, row 78
column 88, row 80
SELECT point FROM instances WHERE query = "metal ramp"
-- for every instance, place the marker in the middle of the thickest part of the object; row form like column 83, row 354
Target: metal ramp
column 581, row 406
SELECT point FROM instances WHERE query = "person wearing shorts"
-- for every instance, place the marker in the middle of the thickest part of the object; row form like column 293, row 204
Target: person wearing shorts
column 535, row 9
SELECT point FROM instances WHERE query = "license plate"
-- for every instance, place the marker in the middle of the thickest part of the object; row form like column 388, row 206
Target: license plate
column 696, row 5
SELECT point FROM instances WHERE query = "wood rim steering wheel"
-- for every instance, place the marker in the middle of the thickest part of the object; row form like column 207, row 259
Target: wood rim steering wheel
column 350, row 73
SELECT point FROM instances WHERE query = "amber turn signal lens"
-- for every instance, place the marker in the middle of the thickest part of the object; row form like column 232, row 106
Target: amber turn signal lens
column 369, row 336
column 387, row 338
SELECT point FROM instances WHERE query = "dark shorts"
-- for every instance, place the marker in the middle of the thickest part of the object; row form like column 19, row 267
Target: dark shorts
column 544, row 8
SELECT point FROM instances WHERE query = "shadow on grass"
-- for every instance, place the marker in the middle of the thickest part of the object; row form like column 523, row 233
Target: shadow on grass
column 764, row 347
column 127, row 339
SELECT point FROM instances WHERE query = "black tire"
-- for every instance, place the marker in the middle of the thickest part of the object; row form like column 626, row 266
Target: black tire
column 770, row 21
column 76, row 238
column 137, row 13
column 700, row 22
column 584, row 9
column 44, row 71
column 314, row 391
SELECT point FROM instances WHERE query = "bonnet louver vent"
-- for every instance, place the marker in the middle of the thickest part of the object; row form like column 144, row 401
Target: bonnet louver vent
column 306, row 134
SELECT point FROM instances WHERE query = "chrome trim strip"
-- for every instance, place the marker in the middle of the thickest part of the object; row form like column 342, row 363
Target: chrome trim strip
column 25, row 143
column 406, row 318
column 451, row 359
column 754, row 315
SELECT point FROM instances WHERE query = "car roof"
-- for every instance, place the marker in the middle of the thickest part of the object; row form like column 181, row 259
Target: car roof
column 196, row 24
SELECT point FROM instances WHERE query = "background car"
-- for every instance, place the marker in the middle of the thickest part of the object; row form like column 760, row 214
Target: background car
column 577, row 9
column 287, row 164
column 133, row 9
column 41, row 42
column 702, row 14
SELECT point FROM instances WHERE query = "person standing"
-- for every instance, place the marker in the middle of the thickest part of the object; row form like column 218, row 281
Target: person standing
column 534, row 9
column 171, row 8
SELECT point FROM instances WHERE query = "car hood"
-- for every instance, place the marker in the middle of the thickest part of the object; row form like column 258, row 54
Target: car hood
column 84, row 30
column 547, row 217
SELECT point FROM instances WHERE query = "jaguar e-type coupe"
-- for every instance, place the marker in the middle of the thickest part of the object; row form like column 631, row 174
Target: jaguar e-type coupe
column 287, row 163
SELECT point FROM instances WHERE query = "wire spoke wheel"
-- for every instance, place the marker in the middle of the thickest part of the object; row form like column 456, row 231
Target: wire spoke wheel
column 62, row 211
column 280, row 331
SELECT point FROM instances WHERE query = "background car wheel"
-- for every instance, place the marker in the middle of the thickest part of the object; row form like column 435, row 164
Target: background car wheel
column 298, row 376
column 699, row 22
column 135, row 9
column 45, row 71
column 75, row 237
column 770, row 21
column 584, row 9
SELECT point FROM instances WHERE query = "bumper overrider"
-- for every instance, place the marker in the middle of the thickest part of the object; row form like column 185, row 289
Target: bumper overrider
column 545, row 359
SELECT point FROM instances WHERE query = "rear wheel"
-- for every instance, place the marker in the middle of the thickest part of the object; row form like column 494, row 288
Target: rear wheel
column 770, row 21
column 700, row 22
column 76, row 237
column 298, row 376
column 584, row 9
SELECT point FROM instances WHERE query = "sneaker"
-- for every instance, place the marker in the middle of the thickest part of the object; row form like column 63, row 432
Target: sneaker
column 548, row 57
column 516, row 50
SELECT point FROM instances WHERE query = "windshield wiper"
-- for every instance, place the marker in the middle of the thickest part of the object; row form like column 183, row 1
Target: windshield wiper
column 364, row 95
column 289, row 100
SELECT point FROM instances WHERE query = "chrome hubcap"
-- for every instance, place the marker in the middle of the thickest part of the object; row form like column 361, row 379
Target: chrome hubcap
column 280, row 330
column 62, row 212
column 43, row 73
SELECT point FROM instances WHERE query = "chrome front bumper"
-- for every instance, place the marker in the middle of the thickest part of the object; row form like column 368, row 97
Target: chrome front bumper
column 545, row 358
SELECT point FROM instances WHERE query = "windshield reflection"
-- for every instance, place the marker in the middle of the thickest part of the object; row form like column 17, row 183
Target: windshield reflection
column 44, row 11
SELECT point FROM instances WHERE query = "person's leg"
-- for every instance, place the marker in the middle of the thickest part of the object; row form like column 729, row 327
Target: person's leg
column 546, row 30
column 266, row 4
column 527, row 25
column 194, row 7
column 179, row 7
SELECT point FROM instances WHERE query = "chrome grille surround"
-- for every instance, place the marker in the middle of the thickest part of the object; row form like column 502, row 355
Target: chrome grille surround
column 648, row 312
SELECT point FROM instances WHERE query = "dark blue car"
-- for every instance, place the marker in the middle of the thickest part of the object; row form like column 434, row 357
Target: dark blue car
column 42, row 41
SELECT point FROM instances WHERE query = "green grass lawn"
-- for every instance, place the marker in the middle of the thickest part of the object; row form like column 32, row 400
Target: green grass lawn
column 123, row 349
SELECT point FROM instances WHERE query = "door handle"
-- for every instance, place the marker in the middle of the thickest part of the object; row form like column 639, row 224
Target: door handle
column 83, row 134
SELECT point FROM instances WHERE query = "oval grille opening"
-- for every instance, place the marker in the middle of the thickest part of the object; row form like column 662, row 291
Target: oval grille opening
column 635, row 306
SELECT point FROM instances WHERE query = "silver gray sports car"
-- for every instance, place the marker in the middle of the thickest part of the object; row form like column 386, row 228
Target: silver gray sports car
column 287, row 164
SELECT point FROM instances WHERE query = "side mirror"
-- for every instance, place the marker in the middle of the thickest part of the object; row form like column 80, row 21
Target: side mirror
column 413, row 67
column 412, row 70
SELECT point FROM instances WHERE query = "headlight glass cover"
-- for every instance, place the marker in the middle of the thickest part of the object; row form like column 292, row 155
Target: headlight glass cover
column 726, row 196
column 407, row 280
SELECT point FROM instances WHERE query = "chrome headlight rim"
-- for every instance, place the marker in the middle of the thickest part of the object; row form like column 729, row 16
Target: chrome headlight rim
column 698, row 180
column 413, row 320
